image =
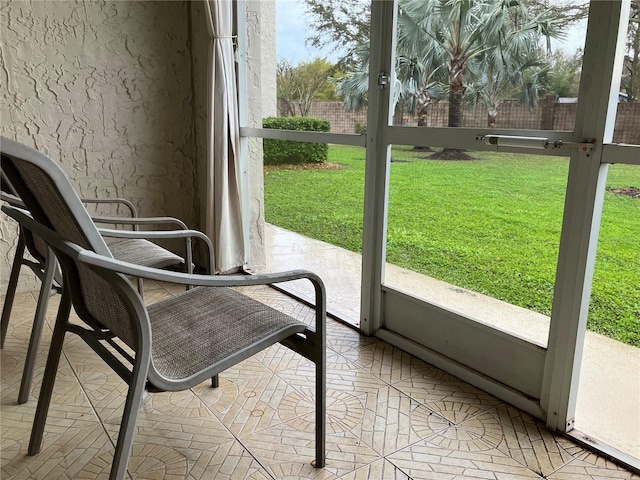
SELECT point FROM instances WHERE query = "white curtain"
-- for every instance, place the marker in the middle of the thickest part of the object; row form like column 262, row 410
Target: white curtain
column 223, row 212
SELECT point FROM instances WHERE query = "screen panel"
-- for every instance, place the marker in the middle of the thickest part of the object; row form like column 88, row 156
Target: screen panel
column 608, row 392
column 479, row 236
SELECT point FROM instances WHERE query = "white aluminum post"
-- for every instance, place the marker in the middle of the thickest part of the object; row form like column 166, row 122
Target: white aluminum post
column 381, row 63
column 595, row 117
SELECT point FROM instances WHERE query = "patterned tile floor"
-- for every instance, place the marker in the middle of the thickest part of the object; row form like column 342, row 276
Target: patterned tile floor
column 390, row 416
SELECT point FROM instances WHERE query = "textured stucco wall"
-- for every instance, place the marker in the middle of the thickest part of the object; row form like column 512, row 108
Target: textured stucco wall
column 105, row 89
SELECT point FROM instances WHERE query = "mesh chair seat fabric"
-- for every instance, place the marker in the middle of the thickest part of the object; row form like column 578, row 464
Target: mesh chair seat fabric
column 142, row 252
column 203, row 326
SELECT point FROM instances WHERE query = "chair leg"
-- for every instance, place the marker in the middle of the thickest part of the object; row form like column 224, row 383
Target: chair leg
column 132, row 406
column 53, row 360
column 141, row 287
column 321, row 409
column 11, row 289
column 38, row 324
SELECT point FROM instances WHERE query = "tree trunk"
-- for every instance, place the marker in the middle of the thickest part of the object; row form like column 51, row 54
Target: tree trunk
column 492, row 115
column 422, row 112
column 456, row 87
column 422, row 122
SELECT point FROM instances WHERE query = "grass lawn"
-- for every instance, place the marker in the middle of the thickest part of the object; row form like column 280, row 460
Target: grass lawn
column 492, row 226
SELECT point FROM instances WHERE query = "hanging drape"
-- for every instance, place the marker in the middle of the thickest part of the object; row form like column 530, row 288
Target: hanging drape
column 223, row 212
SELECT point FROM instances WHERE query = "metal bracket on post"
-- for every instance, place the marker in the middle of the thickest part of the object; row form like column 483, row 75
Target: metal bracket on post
column 383, row 80
column 584, row 146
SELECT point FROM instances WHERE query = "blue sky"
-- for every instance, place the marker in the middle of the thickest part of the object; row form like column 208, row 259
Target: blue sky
column 292, row 31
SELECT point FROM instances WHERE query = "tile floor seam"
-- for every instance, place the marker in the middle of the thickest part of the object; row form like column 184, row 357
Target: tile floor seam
column 437, row 433
column 87, row 396
column 235, row 438
column 398, row 468
column 256, row 459
column 536, row 422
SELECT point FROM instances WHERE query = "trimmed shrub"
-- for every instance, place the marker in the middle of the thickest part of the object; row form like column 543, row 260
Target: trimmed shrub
column 281, row 152
column 360, row 129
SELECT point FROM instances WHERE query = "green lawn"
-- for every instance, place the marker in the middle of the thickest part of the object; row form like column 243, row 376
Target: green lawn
column 492, row 226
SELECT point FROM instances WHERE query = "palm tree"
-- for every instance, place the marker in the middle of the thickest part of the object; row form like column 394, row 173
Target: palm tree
column 447, row 45
column 472, row 38
column 518, row 70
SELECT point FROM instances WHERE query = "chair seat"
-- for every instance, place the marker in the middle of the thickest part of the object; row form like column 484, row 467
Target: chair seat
column 143, row 252
column 203, row 327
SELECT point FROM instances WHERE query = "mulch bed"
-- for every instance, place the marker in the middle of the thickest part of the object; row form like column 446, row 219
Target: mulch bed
column 451, row 154
column 303, row 166
column 632, row 192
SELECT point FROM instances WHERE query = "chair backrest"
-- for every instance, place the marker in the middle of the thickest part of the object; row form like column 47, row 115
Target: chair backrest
column 50, row 198
column 35, row 245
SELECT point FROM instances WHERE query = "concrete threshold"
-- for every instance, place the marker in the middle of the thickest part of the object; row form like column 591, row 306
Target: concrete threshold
column 609, row 388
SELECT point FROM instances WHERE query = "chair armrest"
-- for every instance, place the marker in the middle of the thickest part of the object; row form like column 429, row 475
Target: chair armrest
column 109, row 263
column 119, row 201
column 153, row 234
column 101, row 262
column 91, row 258
column 24, row 218
column 179, row 224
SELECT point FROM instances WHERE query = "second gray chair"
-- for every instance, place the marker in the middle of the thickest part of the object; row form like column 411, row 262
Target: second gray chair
column 127, row 245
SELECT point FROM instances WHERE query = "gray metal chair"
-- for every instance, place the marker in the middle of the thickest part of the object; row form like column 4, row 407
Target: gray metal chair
column 127, row 245
column 177, row 343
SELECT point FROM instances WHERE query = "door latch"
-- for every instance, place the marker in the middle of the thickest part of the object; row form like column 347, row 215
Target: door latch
column 534, row 142
column 383, row 80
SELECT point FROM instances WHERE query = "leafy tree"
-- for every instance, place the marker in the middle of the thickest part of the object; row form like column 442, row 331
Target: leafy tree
column 344, row 24
column 328, row 91
column 566, row 12
column 298, row 86
column 631, row 72
column 506, row 74
column 565, row 72
column 339, row 24
column 564, row 76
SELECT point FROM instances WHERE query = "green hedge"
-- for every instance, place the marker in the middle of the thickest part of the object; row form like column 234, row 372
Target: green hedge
column 279, row 152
